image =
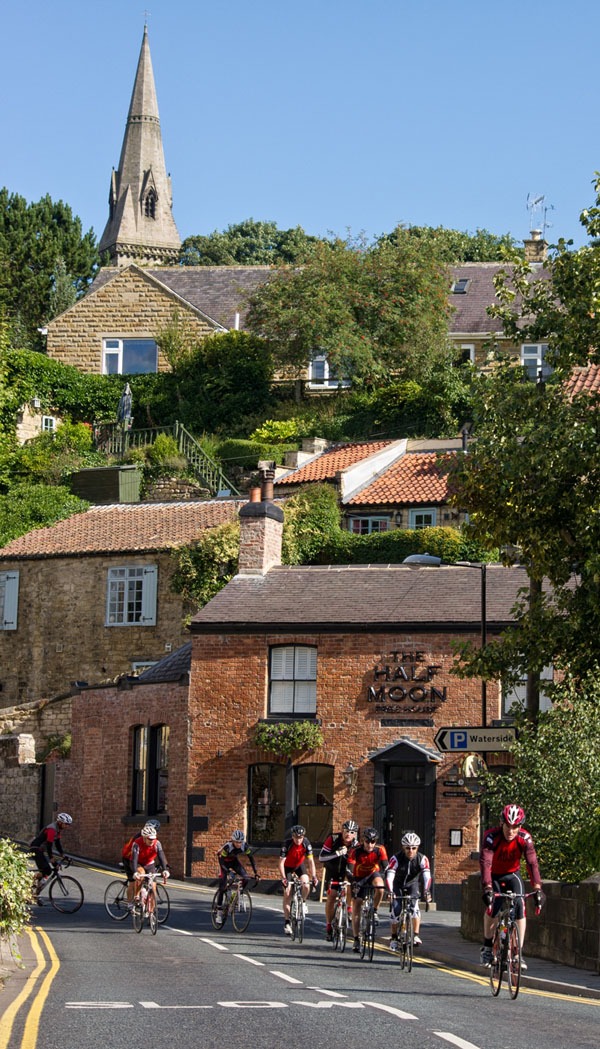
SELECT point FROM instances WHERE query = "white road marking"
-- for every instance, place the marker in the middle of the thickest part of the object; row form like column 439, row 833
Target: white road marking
column 98, row 1005
column 331, row 1005
column 455, row 1040
column 245, row 958
column 284, row 976
column 213, row 943
column 332, row 994
column 155, row 1005
column 253, row 1005
column 390, row 1009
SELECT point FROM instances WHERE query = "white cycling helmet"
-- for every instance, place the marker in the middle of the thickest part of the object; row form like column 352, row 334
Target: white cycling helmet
column 238, row 835
column 149, row 831
column 411, row 839
column 63, row 817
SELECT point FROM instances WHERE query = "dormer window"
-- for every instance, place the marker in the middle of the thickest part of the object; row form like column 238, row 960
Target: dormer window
column 459, row 287
column 150, row 205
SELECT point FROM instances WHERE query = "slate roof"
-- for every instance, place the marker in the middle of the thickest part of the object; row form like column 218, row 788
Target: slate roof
column 123, row 528
column 585, row 380
column 415, row 478
column 172, row 668
column 327, row 464
column 217, row 291
column 355, row 598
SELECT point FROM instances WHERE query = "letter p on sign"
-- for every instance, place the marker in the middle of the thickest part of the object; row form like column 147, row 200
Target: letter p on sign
column 458, row 740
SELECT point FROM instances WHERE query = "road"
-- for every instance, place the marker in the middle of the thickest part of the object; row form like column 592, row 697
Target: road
column 101, row 984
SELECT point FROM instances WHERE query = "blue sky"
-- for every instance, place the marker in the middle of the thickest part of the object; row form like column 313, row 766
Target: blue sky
column 329, row 115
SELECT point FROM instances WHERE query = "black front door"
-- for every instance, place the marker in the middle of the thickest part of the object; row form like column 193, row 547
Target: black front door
column 410, row 805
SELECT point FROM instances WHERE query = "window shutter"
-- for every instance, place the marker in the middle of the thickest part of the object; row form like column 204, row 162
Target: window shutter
column 306, row 664
column 11, row 601
column 282, row 663
column 149, row 595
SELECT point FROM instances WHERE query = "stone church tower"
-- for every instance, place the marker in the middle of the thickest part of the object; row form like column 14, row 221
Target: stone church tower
column 141, row 227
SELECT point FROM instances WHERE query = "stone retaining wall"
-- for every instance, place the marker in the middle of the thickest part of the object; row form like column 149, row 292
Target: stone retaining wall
column 566, row 931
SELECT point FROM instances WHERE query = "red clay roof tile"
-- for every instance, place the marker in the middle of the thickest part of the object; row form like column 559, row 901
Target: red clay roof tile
column 416, row 478
column 325, row 466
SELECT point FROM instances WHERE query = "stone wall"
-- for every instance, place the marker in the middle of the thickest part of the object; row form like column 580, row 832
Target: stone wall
column 131, row 305
column 567, row 930
column 61, row 636
column 174, row 490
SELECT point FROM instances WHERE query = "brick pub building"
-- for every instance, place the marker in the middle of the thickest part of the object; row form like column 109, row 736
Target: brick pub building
column 364, row 651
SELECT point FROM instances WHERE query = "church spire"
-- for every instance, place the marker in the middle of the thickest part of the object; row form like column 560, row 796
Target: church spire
column 141, row 227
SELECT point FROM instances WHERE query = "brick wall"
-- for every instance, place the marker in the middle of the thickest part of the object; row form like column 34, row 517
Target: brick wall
column 228, row 695
column 130, row 305
column 61, row 636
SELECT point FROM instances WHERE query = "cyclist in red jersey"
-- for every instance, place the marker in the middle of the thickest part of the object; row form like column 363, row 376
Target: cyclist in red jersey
column 366, row 864
column 334, row 856
column 295, row 853
column 43, row 844
column 500, row 861
column 146, row 851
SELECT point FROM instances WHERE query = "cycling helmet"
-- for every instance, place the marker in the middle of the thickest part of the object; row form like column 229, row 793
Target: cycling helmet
column 298, row 829
column 63, row 817
column 370, row 834
column 148, row 831
column 238, row 835
column 153, row 823
column 513, row 815
column 350, row 825
column 410, row 838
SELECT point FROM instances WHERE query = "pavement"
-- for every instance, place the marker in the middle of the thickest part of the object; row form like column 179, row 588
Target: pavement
column 443, row 942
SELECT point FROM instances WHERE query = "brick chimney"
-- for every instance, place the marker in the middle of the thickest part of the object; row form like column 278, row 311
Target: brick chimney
column 536, row 248
column 261, row 530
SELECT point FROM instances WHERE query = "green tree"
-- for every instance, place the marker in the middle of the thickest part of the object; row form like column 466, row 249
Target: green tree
column 36, row 241
column 453, row 246
column 374, row 311
column 556, row 778
column 27, row 506
column 247, row 243
column 227, row 377
column 15, row 889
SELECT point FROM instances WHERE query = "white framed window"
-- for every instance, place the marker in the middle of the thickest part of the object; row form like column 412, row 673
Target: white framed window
column 533, row 359
column 9, row 600
column 48, row 424
column 422, row 518
column 131, row 595
column 516, row 697
column 322, row 375
column 459, row 287
column 368, row 525
column 293, row 680
column 139, row 666
column 466, row 353
column 129, row 356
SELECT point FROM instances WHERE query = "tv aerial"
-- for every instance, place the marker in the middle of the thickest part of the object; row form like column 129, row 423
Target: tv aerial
column 536, row 202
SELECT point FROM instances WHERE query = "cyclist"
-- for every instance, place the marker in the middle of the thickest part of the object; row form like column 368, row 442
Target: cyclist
column 146, row 851
column 407, row 869
column 500, row 861
column 229, row 857
column 126, row 860
column 334, row 856
column 296, row 854
column 366, row 864
column 43, row 844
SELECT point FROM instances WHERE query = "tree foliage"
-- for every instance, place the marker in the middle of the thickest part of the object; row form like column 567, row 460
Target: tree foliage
column 556, row 778
column 453, row 246
column 374, row 311
column 247, row 243
column 43, row 250
column 15, row 889
column 226, row 376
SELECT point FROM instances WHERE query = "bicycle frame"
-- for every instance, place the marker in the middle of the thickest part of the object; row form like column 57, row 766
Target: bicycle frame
column 406, row 930
column 236, row 900
column 340, row 917
column 144, row 906
column 297, row 909
column 506, row 944
column 64, row 892
column 367, row 924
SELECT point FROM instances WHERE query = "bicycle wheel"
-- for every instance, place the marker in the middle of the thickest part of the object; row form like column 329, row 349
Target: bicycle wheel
column 371, row 936
column 137, row 915
column 496, row 966
column 410, row 942
column 115, row 900
column 242, row 911
column 66, row 894
column 365, row 914
column 163, row 904
column 224, row 911
column 300, row 908
column 152, row 915
column 513, row 961
column 402, row 941
column 340, row 927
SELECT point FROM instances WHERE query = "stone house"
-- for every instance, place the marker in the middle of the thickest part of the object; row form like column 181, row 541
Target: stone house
column 381, row 485
column 364, row 652
column 90, row 597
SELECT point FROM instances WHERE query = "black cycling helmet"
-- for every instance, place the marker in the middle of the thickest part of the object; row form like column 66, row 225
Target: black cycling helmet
column 298, row 829
column 370, row 834
column 350, row 825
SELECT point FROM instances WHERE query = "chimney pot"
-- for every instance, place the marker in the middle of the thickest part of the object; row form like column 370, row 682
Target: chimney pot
column 255, row 495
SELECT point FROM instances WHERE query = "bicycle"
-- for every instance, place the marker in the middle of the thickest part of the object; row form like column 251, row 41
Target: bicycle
column 406, row 930
column 118, row 907
column 144, row 904
column 339, row 925
column 236, row 901
column 297, row 909
column 506, row 944
column 367, row 925
column 64, row 892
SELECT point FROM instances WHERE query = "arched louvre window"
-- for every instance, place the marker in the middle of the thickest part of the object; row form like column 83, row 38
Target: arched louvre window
column 150, row 204
column 150, row 770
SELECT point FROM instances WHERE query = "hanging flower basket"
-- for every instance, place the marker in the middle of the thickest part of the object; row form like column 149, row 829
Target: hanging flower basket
column 285, row 737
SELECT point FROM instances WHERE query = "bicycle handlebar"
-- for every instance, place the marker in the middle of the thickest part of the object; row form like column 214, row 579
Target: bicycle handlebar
column 514, row 896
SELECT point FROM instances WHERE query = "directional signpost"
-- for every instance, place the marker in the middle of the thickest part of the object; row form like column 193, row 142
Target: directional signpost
column 473, row 738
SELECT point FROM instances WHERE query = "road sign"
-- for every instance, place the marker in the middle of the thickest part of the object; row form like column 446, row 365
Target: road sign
column 473, row 738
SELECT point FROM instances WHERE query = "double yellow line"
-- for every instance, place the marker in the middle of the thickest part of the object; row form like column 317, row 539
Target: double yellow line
column 42, row 989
